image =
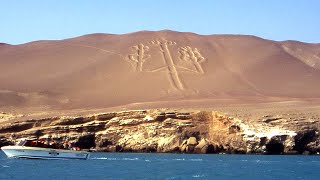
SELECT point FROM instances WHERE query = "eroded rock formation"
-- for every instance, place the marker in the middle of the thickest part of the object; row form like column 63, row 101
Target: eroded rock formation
column 171, row 131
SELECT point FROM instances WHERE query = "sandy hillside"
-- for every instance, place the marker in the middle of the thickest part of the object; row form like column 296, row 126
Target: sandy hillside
column 165, row 67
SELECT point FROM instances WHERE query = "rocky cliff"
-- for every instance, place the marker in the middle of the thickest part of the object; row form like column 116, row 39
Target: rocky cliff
column 175, row 131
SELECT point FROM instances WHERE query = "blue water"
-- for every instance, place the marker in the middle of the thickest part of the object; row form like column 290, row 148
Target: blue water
column 164, row 166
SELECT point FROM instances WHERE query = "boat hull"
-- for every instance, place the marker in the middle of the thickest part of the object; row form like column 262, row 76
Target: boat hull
column 43, row 153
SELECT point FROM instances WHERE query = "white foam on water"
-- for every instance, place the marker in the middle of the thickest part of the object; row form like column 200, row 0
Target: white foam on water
column 196, row 159
column 115, row 159
column 171, row 177
column 198, row 176
column 183, row 159
column 179, row 159
column 264, row 161
column 105, row 158
column 5, row 166
column 130, row 159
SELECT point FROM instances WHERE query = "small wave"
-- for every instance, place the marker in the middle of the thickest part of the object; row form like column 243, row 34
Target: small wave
column 147, row 160
column 198, row 176
column 173, row 177
column 196, row 159
column 183, row 159
column 5, row 166
column 105, row 158
column 179, row 159
column 130, row 159
column 244, row 160
column 115, row 159
column 263, row 161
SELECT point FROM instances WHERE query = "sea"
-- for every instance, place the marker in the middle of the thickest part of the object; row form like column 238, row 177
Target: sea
column 164, row 166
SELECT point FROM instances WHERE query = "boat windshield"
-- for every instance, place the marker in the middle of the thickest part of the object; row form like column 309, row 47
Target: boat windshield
column 27, row 142
column 22, row 143
column 53, row 144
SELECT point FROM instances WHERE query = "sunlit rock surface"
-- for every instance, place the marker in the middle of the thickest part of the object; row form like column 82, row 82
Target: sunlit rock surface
column 170, row 131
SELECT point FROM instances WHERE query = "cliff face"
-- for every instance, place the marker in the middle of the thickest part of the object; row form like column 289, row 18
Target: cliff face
column 171, row 131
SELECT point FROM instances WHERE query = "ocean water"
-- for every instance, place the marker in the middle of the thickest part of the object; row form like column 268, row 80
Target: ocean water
column 164, row 166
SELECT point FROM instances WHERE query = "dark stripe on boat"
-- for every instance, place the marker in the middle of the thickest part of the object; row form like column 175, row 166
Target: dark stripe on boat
column 44, row 157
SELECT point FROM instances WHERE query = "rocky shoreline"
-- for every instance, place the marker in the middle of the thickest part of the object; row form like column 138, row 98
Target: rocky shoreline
column 171, row 132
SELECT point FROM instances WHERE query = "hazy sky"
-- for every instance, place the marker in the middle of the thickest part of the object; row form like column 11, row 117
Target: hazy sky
column 29, row 20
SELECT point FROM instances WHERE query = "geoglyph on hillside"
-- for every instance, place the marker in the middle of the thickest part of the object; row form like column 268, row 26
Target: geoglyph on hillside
column 189, row 60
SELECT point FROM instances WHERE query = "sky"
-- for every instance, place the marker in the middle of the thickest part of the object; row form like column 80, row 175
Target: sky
column 23, row 21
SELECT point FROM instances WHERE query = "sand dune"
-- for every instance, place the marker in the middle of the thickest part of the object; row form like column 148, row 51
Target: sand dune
column 105, row 70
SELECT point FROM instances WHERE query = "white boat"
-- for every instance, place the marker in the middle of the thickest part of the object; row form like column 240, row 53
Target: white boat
column 22, row 151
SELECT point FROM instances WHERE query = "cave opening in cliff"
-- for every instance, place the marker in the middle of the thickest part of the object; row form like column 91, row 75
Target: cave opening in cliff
column 86, row 142
column 274, row 148
column 303, row 138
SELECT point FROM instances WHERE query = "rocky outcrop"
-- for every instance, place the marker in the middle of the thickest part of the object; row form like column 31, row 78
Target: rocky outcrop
column 172, row 131
column 5, row 142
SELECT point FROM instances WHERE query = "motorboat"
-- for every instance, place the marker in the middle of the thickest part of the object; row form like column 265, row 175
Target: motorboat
column 26, row 149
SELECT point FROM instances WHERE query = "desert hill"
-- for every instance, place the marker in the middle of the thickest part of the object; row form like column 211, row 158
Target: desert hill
column 3, row 44
column 106, row 70
column 163, row 91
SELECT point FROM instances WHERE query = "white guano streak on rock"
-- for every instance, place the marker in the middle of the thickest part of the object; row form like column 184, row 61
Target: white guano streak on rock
column 263, row 131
